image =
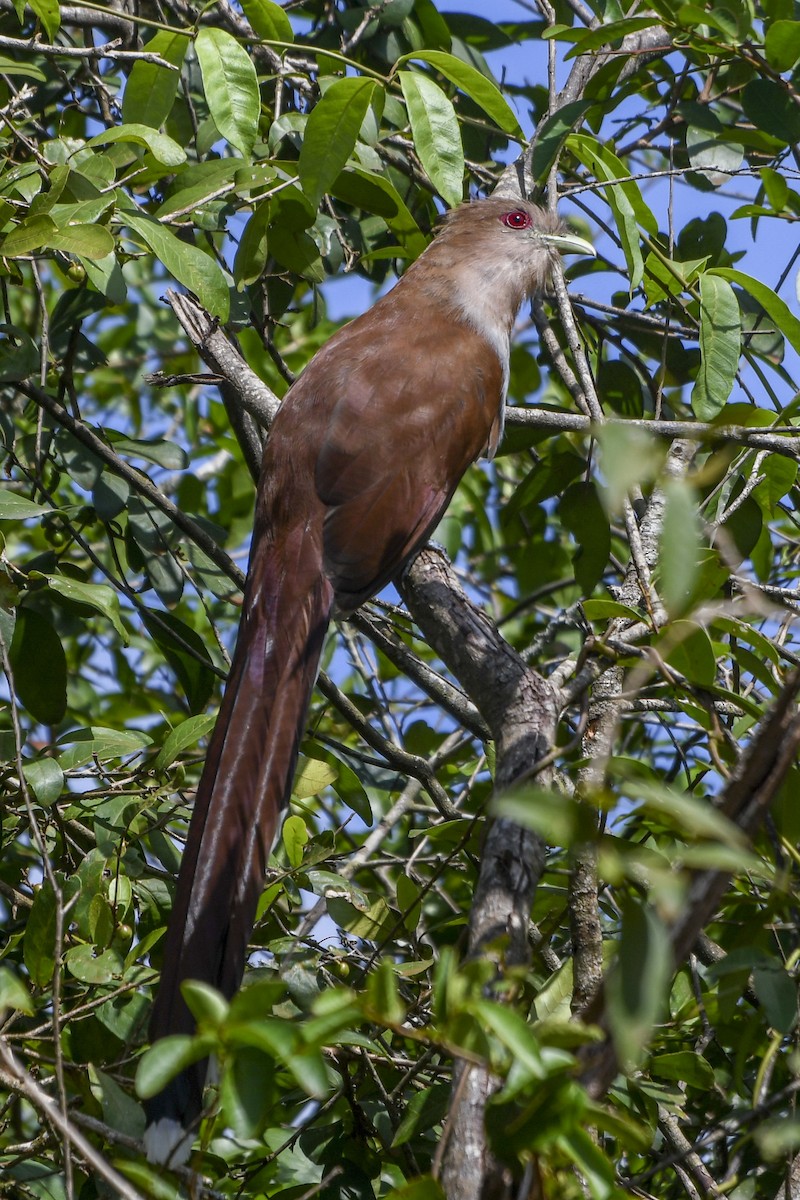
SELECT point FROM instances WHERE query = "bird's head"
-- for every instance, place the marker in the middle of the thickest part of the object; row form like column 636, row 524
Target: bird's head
column 490, row 254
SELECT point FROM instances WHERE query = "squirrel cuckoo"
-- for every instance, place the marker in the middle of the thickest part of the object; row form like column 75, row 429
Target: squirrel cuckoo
column 363, row 457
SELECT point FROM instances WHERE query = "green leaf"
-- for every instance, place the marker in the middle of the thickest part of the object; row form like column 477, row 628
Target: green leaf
column 782, row 44
column 638, row 983
column 623, row 195
column 312, row 776
column 39, row 667
column 190, row 265
column 772, row 109
column 120, row 1111
column 605, row 610
column 552, row 134
column 90, row 967
column 687, row 647
column 49, row 13
column 685, row 1066
column 437, row 135
column 9, row 67
column 98, row 596
column 515, row 1034
column 613, row 31
column 560, row 820
column 13, row 993
column 294, row 836
column 331, row 133
column 231, row 87
column 777, row 991
column 45, row 779
column 782, row 316
column 186, row 653
column 103, row 744
column 163, row 149
column 30, row 234
column 166, row 1059
column 377, row 194
column 680, row 551
column 583, row 515
column 713, row 153
column 14, row 507
column 207, row 1005
column 720, row 345
column 268, row 20
column 248, row 1092
column 309, row 1069
column 150, row 90
column 187, row 734
column 475, row 84
column 694, row 818
column 166, row 454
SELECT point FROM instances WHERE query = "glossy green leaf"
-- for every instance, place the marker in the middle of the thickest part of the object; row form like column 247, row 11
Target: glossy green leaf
column 475, row 84
column 623, row 195
column 166, row 1059
column 151, row 89
column 688, row 649
column 39, row 667
column 294, row 836
column 100, row 743
column 613, row 31
column 377, row 194
column 680, row 550
column 720, row 346
column 552, row 136
column 85, row 964
column 29, row 235
column 186, row 653
column 715, row 154
column 605, row 610
column 206, row 1004
column 231, row 86
column 585, row 517
column 14, row 507
column 45, row 779
column 637, row 986
column 268, row 20
column 99, row 596
column 13, row 993
column 437, row 137
column 187, row 734
column 777, row 991
column 163, row 148
column 781, row 314
column 190, row 265
column 685, row 1067
column 782, row 44
column 331, row 134
column 9, row 67
column 772, row 110
column 49, row 13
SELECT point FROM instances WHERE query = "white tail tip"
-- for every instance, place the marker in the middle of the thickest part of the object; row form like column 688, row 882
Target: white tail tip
column 167, row 1143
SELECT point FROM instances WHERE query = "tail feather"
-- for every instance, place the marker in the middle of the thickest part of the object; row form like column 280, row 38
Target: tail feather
column 244, row 788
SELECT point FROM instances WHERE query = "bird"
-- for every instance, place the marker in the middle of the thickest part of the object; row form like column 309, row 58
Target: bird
column 363, row 457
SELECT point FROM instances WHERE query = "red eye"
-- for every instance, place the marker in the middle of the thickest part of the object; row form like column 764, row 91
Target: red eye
column 518, row 219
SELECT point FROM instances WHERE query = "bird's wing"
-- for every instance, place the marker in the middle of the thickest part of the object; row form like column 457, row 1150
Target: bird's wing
column 401, row 434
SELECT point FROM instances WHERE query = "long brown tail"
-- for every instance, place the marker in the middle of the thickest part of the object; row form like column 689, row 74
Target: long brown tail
column 245, row 785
